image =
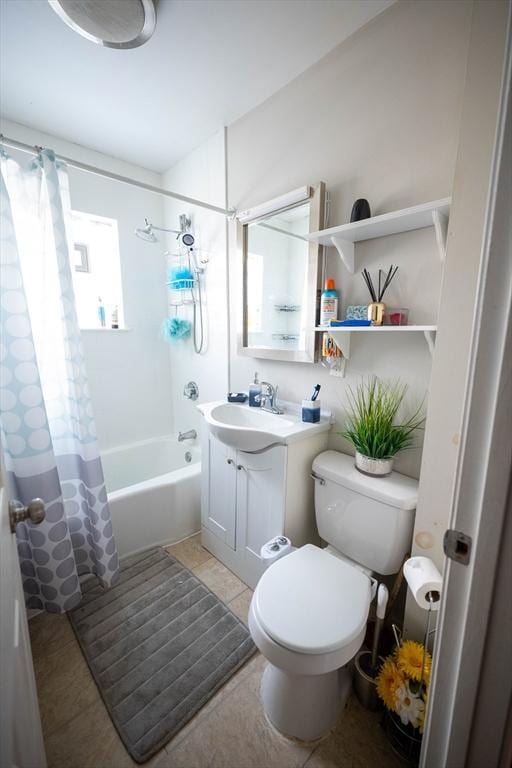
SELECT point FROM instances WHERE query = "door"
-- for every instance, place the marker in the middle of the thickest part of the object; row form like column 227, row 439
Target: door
column 218, row 503
column 21, row 738
column 470, row 701
column 260, row 504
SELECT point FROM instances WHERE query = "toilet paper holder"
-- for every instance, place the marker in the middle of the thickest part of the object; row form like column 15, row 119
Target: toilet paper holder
column 429, row 576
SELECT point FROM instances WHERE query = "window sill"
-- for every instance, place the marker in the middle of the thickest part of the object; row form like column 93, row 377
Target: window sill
column 105, row 330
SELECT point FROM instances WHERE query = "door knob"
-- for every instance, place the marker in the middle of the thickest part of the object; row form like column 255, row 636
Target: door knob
column 34, row 512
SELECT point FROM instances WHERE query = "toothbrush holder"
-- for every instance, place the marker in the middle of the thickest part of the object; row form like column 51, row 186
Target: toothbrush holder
column 311, row 411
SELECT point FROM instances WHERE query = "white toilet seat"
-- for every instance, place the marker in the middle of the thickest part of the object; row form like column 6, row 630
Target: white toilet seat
column 309, row 610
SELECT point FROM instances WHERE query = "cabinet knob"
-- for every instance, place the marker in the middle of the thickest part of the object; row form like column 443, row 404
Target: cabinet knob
column 239, row 466
column 230, row 461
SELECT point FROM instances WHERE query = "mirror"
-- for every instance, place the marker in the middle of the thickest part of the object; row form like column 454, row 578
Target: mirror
column 280, row 280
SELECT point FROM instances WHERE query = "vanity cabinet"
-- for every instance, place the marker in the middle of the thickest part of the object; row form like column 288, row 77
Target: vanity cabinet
column 248, row 498
column 218, row 498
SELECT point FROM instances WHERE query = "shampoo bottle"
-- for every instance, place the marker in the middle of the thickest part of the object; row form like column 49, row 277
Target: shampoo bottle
column 329, row 302
column 101, row 313
column 254, row 392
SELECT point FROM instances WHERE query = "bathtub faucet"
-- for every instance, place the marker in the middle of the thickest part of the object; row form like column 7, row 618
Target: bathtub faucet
column 190, row 435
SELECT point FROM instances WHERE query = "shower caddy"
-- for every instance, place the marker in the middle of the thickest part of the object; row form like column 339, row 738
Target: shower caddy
column 184, row 285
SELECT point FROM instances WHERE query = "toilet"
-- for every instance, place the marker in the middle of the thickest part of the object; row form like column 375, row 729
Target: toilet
column 309, row 610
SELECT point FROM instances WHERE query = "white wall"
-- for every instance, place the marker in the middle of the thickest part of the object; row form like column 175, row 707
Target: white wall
column 201, row 175
column 377, row 118
column 444, row 434
column 129, row 372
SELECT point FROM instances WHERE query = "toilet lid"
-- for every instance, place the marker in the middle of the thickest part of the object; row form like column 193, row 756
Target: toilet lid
column 311, row 602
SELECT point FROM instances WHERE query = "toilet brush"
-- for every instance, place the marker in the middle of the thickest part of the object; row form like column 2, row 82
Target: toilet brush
column 382, row 601
column 365, row 668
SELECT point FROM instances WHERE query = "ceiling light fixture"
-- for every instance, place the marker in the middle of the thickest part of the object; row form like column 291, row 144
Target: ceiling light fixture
column 112, row 23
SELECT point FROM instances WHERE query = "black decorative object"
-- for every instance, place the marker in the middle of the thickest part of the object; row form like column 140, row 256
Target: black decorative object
column 360, row 210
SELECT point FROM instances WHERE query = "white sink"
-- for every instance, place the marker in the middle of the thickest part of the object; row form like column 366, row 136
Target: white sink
column 254, row 429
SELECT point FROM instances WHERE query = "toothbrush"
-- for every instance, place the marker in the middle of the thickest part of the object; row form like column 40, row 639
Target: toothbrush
column 316, row 390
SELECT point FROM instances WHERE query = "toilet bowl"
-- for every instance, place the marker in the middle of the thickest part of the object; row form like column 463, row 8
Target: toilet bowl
column 309, row 610
column 308, row 618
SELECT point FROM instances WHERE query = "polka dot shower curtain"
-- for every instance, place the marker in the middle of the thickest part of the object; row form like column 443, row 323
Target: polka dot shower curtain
column 47, row 425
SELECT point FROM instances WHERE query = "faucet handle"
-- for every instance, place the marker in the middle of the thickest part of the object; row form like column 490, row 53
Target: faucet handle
column 270, row 388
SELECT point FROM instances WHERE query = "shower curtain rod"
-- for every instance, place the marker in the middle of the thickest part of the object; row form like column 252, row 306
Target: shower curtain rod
column 34, row 150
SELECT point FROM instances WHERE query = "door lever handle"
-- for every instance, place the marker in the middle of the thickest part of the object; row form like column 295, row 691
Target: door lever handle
column 18, row 512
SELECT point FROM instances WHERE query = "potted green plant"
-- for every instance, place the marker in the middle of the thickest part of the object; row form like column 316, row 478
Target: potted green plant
column 373, row 426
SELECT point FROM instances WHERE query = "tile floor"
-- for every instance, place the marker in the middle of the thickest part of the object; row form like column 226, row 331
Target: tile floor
column 229, row 732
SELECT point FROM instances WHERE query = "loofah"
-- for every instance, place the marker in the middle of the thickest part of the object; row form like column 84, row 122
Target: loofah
column 173, row 329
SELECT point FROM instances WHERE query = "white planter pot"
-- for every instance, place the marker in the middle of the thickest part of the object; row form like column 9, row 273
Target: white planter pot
column 373, row 467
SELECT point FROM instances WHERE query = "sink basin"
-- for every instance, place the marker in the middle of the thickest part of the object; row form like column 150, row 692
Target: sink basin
column 254, row 429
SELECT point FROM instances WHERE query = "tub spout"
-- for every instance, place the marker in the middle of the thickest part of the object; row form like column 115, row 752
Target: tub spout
column 190, row 435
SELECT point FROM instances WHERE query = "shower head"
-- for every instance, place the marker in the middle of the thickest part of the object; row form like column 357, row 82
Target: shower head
column 146, row 233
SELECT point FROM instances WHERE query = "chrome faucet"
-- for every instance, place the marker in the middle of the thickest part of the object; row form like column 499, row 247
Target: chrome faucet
column 268, row 398
column 190, row 435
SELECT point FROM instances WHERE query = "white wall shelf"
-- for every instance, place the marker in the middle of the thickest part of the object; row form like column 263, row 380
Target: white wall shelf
column 434, row 214
column 342, row 335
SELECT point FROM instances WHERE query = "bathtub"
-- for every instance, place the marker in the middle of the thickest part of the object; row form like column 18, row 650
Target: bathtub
column 154, row 492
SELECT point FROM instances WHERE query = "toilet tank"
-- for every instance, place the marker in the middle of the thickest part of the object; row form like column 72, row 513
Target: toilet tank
column 368, row 519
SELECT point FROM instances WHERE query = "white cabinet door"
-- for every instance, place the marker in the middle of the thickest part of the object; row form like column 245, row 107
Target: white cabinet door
column 261, row 479
column 218, row 502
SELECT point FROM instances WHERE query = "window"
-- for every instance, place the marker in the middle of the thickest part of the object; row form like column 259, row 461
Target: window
column 81, row 257
column 96, row 269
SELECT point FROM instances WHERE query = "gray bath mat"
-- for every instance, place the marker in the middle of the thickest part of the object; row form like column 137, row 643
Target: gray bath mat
column 159, row 644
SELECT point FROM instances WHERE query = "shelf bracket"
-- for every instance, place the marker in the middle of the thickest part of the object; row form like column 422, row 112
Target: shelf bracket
column 440, row 221
column 346, row 250
column 430, row 338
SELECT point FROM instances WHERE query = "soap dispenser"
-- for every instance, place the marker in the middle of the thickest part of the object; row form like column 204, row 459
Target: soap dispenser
column 255, row 392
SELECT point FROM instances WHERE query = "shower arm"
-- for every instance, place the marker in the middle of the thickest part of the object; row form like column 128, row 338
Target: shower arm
column 163, row 229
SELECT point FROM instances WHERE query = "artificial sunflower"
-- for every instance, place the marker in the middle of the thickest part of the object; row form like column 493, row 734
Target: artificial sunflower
column 409, row 706
column 388, row 680
column 410, row 661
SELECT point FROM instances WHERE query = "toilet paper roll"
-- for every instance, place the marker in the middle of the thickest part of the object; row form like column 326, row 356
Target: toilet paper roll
column 423, row 578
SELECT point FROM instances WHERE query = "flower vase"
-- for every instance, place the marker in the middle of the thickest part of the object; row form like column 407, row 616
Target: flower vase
column 373, row 467
column 404, row 739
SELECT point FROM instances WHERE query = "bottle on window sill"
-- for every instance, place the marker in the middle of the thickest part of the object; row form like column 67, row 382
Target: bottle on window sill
column 101, row 313
column 115, row 317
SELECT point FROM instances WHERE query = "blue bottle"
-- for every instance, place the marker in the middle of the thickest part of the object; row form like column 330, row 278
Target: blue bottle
column 101, row 313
